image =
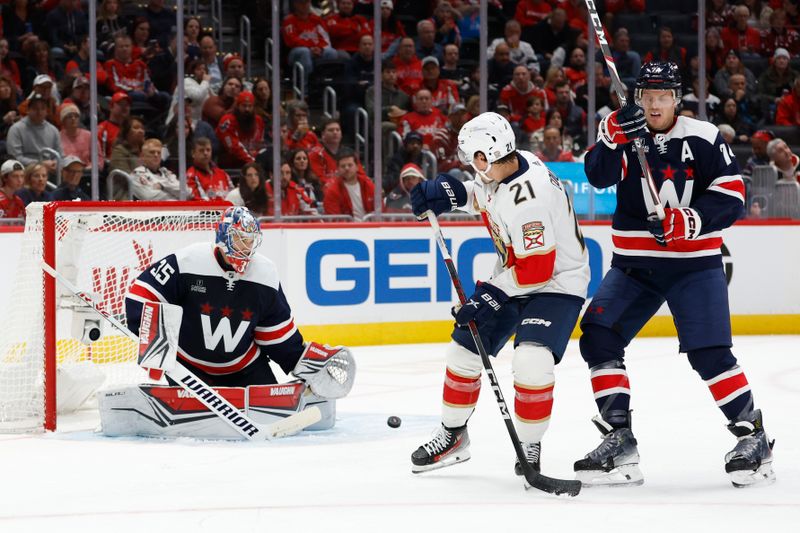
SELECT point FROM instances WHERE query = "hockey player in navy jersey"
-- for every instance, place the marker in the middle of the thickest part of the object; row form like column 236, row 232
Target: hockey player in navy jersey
column 536, row 291
column 676, row 260
column 235, row 315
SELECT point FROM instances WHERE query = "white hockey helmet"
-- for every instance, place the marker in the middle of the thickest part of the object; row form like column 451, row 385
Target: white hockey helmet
column 488, row 133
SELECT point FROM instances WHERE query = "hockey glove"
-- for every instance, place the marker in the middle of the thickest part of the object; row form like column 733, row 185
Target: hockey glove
column 445, row 193
column 623, row 125
column 484, row 302
column 679, row 223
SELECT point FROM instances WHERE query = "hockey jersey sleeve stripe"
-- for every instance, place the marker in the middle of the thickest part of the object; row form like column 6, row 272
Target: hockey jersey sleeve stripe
column 221, row 369
column 534, row 269
column 730, row 185
column 276, row 337
column 277, row 327
column 641, row 244
column 144, row 292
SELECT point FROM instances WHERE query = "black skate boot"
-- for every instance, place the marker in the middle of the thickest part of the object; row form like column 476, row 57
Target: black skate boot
column 750, row 461
column 533, row 452
column 448, row 446
column 615, row 462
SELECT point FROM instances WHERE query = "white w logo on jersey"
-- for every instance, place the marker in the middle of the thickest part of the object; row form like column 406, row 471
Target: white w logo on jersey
column 211, row 336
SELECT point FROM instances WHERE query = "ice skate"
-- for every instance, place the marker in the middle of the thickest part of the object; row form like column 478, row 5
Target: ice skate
column 750, row 461
column 615, row 462
column 533, row 452
column 448, row 446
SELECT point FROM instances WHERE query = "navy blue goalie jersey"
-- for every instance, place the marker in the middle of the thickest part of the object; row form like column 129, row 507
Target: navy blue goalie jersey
column 229, row 320
column 692, row 166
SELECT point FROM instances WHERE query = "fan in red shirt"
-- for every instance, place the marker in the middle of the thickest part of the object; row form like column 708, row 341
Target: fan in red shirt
column 408, row 67
column 444, row 92
column 125, row 73
column 517, row 93
column 306, row 36
column 322, row 158
column 552, row 151
column 241, row 132
column 12, row 174
column 391, row 28
column 294, row 200
column 741, row 36
column 425, row 119
column 350, row 193
column 108, row 130
column 206, row 180
column 299, row 135
column 345, row 28
column 788, row 112
column 529, row 12
column 576, row 71
column 534, row 118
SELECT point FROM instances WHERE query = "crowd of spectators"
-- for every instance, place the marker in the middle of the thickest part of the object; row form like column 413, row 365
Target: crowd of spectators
column 537, row 77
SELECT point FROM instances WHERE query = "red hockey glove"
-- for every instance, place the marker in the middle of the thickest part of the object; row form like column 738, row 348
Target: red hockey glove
column 623, row 125
column 679, row 223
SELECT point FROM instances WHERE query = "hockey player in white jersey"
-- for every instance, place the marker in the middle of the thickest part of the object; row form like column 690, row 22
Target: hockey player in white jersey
column 536, row 291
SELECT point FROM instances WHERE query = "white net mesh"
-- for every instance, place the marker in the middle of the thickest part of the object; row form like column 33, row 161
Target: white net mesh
column 101, row 250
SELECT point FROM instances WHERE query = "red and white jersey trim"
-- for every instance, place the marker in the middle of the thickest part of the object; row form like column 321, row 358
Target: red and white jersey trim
column 277, row 334
column 144, row 292
column 220, row 369
column 730, row 185
column 642, row 243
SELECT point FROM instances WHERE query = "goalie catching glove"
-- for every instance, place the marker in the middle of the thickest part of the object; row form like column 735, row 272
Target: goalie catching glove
column 328, row 370
column 679, row 223
column 623, row 125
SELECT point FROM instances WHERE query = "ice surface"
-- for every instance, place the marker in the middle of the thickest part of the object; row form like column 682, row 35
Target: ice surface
column 357, row 476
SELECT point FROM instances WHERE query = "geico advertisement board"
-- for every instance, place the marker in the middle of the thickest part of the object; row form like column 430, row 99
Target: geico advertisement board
column 349, row 275
column 364, row 275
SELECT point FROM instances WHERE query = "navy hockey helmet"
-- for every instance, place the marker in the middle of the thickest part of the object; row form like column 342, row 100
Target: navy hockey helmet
column 238, row 237
column 659, row 75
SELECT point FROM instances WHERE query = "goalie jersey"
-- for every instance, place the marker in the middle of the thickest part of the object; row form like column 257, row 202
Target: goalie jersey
column 229, row 320
column 536, row 235
column 692, row 166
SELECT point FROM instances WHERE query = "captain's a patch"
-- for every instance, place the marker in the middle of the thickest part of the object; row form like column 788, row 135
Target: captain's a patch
column 533, row 235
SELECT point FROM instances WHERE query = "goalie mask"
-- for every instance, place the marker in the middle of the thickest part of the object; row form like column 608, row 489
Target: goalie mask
column 488, row 133
column 238, row 237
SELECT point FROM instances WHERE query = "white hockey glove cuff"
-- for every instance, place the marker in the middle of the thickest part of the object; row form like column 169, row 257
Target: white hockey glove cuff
column 328, row 370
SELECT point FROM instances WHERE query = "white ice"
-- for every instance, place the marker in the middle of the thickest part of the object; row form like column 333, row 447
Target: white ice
column 356, row 477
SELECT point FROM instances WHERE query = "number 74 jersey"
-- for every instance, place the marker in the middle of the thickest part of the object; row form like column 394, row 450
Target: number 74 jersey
column 539, row 244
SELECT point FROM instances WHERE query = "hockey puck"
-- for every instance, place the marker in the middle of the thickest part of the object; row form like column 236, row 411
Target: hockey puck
column 394, row 421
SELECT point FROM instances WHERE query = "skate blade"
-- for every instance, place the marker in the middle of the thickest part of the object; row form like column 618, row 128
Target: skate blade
column 621, row 476
column 448, row 461
column 761, row 477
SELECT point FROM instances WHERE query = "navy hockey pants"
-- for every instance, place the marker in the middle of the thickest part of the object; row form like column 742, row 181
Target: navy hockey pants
column 545, row 319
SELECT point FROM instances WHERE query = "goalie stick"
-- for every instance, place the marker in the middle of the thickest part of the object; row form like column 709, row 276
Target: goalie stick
column 569, row 487
column 202, row 391
column 647, row 175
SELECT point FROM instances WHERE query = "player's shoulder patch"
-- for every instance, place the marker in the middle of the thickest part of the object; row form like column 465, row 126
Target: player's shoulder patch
column 533, row 235
column 263, row 271
column 691, row 127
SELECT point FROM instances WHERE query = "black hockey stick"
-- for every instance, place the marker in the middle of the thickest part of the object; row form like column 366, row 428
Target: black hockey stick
column 647, row 175
column 536, row 480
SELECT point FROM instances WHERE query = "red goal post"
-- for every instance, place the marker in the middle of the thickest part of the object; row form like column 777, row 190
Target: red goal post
column 52, row 345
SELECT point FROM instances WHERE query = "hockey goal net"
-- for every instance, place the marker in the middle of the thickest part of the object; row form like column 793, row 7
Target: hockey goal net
column 53, row 348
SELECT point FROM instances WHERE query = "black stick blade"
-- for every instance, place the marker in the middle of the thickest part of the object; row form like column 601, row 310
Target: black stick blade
column 558, row 487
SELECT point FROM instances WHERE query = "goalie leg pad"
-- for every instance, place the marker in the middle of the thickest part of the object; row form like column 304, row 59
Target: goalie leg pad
column 534, row 380
column 164, row 411
column 269, row 403
column 328, row 370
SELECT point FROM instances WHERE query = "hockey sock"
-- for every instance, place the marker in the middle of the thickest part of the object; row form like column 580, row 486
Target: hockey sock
column 612, row 392
column 726, row 381
column 731, row 391
column 459, row 398
column 534, row 380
